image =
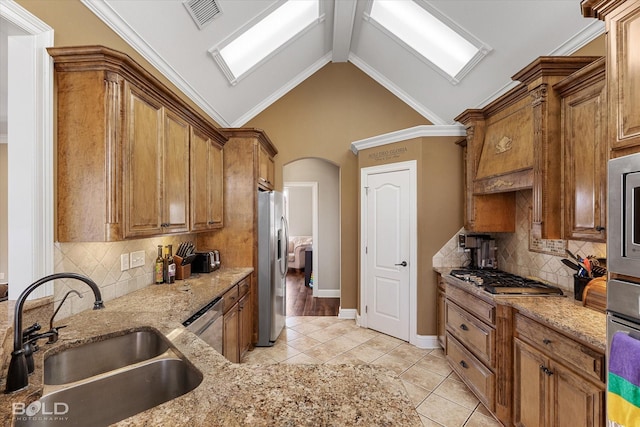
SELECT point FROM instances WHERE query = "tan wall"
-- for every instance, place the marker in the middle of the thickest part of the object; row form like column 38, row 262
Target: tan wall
column 439, row 205
column 320, row 118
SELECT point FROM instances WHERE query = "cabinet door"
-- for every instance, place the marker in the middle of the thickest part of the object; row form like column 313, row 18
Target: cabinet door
column 623, row 75
column 175, row 175
column 529, row 388
column 142, row 165
column 246, row 323
column 585, row 164
column 230, row 345
column 440, row 317
column 266, row 168
column 206, row 183
column 574, row 401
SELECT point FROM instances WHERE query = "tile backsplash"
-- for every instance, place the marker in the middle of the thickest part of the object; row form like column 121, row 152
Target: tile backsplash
column 521, row 255
column 101, row 262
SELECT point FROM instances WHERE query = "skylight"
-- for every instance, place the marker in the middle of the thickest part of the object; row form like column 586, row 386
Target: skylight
column 245, row 51
column 433, row 37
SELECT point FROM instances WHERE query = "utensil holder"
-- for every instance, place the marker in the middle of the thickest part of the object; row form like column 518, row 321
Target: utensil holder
column 579, row 284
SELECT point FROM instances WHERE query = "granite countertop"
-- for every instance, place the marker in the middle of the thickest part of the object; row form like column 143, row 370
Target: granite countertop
column 231, row 394
column 564, row 314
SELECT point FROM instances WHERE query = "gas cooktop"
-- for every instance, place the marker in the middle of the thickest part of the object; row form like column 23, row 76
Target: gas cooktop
column 502, row 283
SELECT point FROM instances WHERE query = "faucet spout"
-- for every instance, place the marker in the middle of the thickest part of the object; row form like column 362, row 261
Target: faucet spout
column 17, row 375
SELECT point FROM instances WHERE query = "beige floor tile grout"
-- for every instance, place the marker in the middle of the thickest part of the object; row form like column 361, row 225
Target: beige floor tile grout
column 395, row 354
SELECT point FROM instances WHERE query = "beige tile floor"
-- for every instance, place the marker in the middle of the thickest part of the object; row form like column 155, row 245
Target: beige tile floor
column 440, row 397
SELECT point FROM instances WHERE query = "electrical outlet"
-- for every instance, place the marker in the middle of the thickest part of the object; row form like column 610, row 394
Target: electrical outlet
column 124, row 262
column 137, row 259
column 461, row 242
column 1, row 276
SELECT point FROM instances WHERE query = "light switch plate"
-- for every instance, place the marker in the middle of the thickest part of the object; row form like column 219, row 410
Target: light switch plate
column 137, row 259
column 124, row 262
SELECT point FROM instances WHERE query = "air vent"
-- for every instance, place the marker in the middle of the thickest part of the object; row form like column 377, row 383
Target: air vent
column 202, row 11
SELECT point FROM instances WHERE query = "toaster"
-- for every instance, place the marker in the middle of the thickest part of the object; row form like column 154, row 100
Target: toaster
column 206, row 261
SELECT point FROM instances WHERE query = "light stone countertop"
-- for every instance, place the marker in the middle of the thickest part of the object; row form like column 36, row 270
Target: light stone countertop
column 231, row 394
column 564, row 314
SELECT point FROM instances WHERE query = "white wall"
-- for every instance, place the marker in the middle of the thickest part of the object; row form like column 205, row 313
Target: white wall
column 327, row 175
column 3, row 215
column 300, row 215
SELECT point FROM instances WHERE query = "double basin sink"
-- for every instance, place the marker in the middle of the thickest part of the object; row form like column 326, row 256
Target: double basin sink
column 103, row 382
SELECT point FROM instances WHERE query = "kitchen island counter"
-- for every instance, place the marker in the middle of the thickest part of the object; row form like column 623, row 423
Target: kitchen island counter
column 231, row 394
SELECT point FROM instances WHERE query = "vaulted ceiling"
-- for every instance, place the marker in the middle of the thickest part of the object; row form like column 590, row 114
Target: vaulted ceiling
column 517, row 31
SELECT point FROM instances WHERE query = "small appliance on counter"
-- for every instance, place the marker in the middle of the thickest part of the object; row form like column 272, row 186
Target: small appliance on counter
column 206, row 261
column 482, row 250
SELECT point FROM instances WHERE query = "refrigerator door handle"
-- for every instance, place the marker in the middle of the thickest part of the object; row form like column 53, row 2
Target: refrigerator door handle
column 284, row 263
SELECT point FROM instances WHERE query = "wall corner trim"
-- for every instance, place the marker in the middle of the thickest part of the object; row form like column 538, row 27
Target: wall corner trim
column 426, row 341
column 348, row 313
column 409, row 133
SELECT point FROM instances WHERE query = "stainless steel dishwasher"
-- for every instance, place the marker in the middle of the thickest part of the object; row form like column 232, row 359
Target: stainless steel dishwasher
column 207, row 323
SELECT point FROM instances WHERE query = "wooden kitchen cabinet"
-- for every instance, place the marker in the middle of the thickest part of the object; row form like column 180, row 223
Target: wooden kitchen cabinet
column 622, row 20
column 156, row 168
column 513, row 144
column 230, row 335
column 266, row 168
column 440, row 311
column 584, row 153
column 207, row 182
column 238, row 321
column 478, row 337
column 239, row 236
column 245, row 326
column 557, row 380
column 123, row 148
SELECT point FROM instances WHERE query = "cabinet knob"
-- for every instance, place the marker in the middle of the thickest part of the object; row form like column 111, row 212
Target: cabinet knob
column 600, row 228
column 464, row 364
column 464, row 327
column 546, row 341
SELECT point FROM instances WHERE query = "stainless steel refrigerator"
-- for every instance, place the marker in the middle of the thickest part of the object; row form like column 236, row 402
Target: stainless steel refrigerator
column 273, row 237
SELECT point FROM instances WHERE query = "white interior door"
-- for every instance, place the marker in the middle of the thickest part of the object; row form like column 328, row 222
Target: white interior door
column 388, row 253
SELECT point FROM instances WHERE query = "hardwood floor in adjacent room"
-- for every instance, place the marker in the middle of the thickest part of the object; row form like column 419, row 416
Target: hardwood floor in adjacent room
column 300, row 300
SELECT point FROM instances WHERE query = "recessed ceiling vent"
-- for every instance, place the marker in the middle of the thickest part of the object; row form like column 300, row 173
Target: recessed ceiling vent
column 202, row 11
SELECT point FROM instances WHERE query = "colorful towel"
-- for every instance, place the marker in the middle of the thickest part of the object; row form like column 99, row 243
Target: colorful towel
column 623, row 389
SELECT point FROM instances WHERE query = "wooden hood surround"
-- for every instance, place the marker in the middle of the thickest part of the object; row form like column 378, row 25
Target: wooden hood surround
column 513, row 144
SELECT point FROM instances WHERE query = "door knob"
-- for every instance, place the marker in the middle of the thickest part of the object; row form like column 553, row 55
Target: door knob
column 403, row 263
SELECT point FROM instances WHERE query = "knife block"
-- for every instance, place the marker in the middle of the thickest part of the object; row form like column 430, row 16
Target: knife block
column 182, row 271
column 579, row 284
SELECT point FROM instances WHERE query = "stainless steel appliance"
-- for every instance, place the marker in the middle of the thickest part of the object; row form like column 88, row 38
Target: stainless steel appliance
column 482, row 250
column 498, row 282
column 623, row 251
column 206, row 261
column 207, row 323
column 272, row 266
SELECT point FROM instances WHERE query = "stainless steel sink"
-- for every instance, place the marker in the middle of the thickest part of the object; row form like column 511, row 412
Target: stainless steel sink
column 103, row 382
column 112, row 397
column 97, row 357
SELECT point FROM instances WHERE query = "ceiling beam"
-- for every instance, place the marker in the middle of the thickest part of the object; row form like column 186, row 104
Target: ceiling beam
column 344, row 12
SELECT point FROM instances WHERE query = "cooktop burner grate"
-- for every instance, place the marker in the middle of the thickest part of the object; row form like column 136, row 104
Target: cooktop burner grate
column 501, row 282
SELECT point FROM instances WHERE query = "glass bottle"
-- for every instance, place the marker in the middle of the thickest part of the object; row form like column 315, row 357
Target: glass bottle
column 159, row 267
column 171, row 266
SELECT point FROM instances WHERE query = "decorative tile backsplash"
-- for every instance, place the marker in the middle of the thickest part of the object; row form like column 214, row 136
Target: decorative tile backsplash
column 101, row 262
column 521, row 255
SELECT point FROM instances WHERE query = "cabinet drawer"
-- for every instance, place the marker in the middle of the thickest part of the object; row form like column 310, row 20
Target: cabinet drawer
column 480, row 379
column 561, row 347
column 482, row 309
column 474, row 334
column 230, row 298
column 243, row 287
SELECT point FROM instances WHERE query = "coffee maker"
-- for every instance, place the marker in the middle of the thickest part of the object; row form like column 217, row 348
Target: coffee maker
column 482, row 251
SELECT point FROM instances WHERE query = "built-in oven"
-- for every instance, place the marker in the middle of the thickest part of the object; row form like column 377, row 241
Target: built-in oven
column 207, row 323
column 623, row 245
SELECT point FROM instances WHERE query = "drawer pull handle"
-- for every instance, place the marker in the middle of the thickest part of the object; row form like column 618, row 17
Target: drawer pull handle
column 546, row 341
column 464, row 364
column 464, row 327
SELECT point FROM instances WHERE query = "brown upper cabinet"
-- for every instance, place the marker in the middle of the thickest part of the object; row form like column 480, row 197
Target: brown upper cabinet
column 514, row 144
column 622, row 20
column 266, row 168
column 584, row 153
column 206, row 183
column 124, row 151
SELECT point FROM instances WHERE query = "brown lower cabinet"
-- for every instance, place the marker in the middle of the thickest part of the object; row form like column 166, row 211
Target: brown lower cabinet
column 557, row 381
column 238, row 321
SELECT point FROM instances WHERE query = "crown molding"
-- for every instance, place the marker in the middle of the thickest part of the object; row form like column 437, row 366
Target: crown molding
column 406, row 134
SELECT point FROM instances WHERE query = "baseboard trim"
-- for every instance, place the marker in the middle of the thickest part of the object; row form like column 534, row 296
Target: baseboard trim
column 347, row 313
column 426, row 341
column 328, row 293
